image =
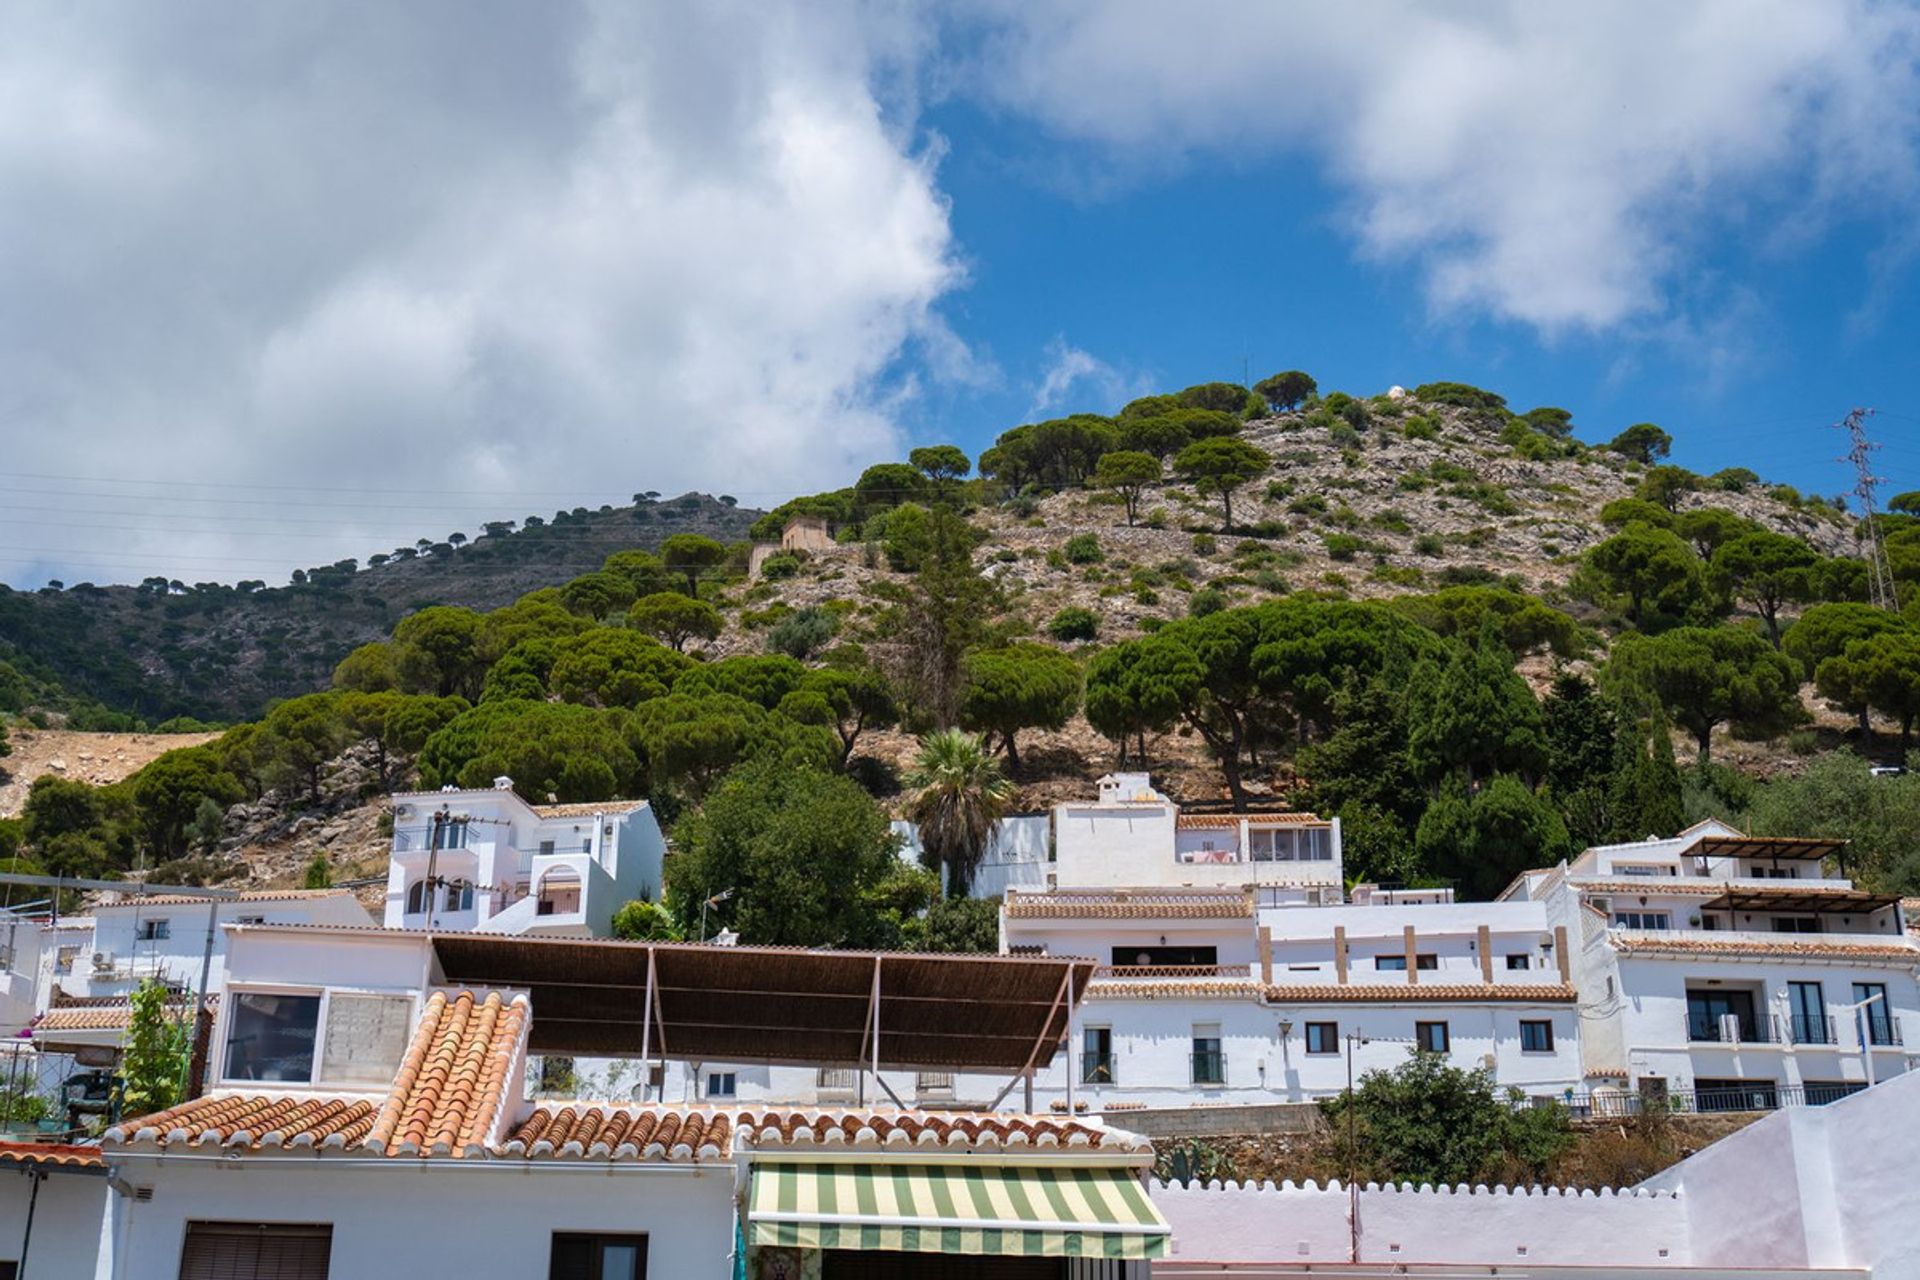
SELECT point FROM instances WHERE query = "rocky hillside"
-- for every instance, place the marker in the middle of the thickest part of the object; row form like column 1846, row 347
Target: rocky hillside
column 218, row 652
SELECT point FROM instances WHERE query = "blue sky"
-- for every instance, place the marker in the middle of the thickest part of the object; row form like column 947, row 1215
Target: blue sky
column 280, row 286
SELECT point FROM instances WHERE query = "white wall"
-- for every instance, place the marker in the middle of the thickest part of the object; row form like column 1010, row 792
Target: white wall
column 1300, row 1224
column 66, row 1222
column 433, row 1217
column 1019, row 854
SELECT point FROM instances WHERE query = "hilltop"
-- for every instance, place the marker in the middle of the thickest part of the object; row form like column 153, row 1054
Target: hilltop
column 215, row 652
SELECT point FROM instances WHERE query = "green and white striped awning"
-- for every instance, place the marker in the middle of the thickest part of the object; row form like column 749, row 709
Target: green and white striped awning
column 1048, row 1211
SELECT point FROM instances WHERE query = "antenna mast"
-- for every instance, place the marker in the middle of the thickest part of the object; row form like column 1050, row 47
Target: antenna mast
column 1879, row 573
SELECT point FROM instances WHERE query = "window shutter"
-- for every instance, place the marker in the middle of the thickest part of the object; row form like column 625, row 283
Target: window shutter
column 256, row 1251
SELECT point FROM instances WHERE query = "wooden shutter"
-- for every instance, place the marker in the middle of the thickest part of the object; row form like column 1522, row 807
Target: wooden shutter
column 256, row 1251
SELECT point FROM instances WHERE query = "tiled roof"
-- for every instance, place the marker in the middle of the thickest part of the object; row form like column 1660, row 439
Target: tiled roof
column 1606, row 1073
column 443, row 1101
column 1123, row 904
column 248, row 895
column 587, row 810
column 252, row 1123
column 1701, row 887
column 57, row 1153
column 1420, row 992
column 593, row 1132
column 102, row 1015
column 1787, row 944
column 1150, row 989
column 814, row 1128
column 1205, row 821
column 1208, row 821
column 447, row 1093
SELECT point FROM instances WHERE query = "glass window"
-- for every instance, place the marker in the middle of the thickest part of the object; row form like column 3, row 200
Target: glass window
column 578, row 1255
column 1796, row 924
column 270, row 1036
column 417, row 898
column 1209, row 1063
column 546, row 848
column 1536, row 1036
column 1096, row 1055
column 1431, row 1037
column 1323, row 1037
column 1643, row 919
column 722, row 1084
column 366, row 1038
column 1425, row 962
column 450, row 834
column 156, row 930
column 1519, row 961
column 1394, row 964
column 460, row 896
column 1879, row 1018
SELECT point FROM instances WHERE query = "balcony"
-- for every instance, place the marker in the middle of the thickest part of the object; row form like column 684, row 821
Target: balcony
column 1883, row 1031
column 1171, row 972
column 1806, row 1028
column 1708, row 1028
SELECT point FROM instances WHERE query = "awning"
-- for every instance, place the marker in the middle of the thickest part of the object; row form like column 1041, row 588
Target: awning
column 1777, row 848
column 1048, row 1211
column 1808, row 900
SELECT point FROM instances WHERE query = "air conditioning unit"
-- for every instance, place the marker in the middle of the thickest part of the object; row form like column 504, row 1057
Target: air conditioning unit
column 103, row 962
column 403, row 811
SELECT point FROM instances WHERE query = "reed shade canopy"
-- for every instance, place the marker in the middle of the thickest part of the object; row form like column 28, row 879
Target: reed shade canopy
column 776, row 1004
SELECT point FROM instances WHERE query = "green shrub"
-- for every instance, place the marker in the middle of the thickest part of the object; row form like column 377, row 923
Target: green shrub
column 1074, row 623
column 1310, row 504
column 1343, row 546
column 1205, row 601
column 781, row 564
column 1421, row 427
column 1084, row 548
column 1204, row 544
column 1343, row 435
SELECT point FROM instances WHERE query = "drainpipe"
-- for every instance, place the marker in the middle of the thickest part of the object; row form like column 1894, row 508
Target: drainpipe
column 26, row 1238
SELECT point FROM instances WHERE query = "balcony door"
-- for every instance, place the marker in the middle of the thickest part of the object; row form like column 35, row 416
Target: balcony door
column 1809, row 1009
column 1706, row 1011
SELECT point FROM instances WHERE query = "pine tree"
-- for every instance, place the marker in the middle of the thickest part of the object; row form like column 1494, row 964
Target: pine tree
column 1644, row 797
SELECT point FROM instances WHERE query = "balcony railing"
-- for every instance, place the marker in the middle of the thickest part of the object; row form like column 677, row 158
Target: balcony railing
column 1159, row 972
column 1099, row 1068
column 1759, row 1095
column 1209, row 1067
column 1882, row 1031
column 1811, row 1028
column 1726, row 1029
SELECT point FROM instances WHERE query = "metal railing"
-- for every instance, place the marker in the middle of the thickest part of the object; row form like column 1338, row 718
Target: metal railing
column 1883, row 1031
column 1757, row 1095
column 1726, row 1029
column 1811, row 1028
column 1144, row 972
column 1209, row 1067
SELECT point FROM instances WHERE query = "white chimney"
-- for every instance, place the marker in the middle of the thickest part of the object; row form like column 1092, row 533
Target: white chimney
column 503, row 783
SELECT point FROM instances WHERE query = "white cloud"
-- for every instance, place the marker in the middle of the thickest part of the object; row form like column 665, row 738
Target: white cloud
column 560, row 251
column 1552, row 164
column 1079, row 380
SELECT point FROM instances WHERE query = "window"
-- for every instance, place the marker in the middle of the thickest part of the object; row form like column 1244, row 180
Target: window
column 835, row 1080
column 270, row 1036
column 1519, row 961
column 1209, row 1063
column 1426, row 962
column 1096, row 1055
column 1796, row 924
column 1393, row 964
column 586, row 844
column 1643, row 919
column 546, row 848
column 226, row 1250
column 580, row 1256
column 249, row 919
column 1536, row 1036
column 1431, row 1037
column 722, row 1084
column 1807, row 1007
column 933, row 1084
column 1878, row 1017
column 460, row 896
column 1323, row 1037
column 417, row 898
column 158, row 929
column 1714, row 1016
column 366, row 1037
column 1642, row 869
column 1129, row 957
column 450, row 834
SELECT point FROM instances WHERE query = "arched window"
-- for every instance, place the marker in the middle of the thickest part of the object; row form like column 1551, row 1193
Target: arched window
column 417, row 898
column 460, row 896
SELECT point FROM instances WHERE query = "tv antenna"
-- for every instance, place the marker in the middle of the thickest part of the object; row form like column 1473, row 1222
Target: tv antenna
column 1859, row 453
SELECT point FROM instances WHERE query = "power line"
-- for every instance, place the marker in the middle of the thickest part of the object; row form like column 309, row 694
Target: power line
column 1860, row 454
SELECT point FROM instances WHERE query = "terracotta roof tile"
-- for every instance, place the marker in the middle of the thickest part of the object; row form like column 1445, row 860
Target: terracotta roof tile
column 1148, row 989
column 250, row 895
column 63, row 1154
column 112, row 1014
column 252, row 1123
column 1207, row 821
column 1787, row 944
column 588, row 810
column 814, row 1129
column 1421, row 992
column 1700, row 887
column 590, row 1131
column 447, row 1093
column 1123, row 904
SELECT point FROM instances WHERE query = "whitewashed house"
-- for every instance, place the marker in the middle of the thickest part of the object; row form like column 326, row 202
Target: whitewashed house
column 489, row 862
column 1732, row 970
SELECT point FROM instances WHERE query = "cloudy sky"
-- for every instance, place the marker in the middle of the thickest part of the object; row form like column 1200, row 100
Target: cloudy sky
column 281, row 284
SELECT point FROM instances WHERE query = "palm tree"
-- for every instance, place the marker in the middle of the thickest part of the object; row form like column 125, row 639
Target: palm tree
column 959, row 794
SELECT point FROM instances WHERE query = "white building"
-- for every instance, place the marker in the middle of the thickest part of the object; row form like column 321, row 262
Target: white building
column 1203, row 998
column 489, row 862
column 1732, row 969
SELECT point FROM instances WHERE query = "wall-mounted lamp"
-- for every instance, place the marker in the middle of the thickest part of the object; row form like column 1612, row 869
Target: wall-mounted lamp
column 1286, row 1027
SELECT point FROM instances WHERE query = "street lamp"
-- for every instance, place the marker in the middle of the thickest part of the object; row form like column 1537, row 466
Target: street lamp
column 1353, row 1189
column 723, row 896
column 1858, row 1010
